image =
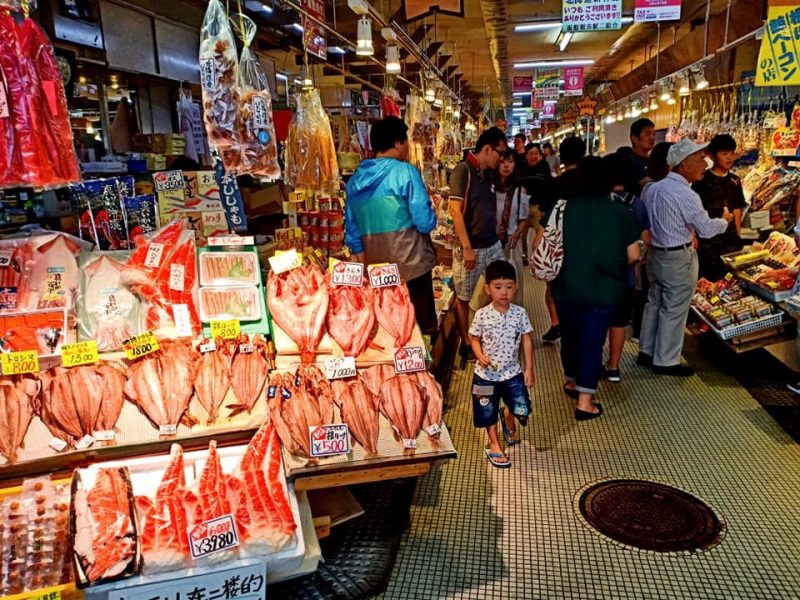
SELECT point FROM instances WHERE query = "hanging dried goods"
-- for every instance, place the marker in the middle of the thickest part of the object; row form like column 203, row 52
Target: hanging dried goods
column 310, row 151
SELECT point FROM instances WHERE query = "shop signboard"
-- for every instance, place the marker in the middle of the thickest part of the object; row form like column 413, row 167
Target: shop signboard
column 591, row 15
column 416, row 9
column 549, row 111
column 547, row 84
column 314, row 39
column 779, row 57
column 536, row 103
column 573, row 81
column 657, row 10
column 523, row 83
column 587, row 106
column 231, row 197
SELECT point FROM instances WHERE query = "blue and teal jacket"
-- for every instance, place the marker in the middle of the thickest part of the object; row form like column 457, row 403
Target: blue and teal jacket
column 389, row 216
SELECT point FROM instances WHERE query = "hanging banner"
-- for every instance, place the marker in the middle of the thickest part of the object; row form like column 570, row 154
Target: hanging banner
column 573, row 81
column 537, row 124
column 523, row 83
column 591, row 15
column 779, row 57
column 586, row 106
column 416, row 9
column 547, row 84
column 314, row 39
column 536, row 103
column 549, row 111
column 657, row 10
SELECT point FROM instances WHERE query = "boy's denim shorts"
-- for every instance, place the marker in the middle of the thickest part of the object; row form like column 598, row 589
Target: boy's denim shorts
column 486, row 396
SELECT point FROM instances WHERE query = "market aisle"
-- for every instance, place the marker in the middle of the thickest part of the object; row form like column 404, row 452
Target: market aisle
column 479, row 532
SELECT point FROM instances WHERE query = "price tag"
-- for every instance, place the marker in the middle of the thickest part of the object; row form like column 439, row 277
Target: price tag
column 104, row 435
column 17, row 363
column 246, row 348
column 84, row 442
column 714, row 300
column 168, row 430
column 340, row 368
column 183, row 324
column 54, row 595
column 347, row 273
column 227, row 330
column 5, row 258
column 231, row 240
column 409, row 444
column 82, row 353
column 213, row 536
column 58, row 444
column 176, row 277
column 433, row 430
column 329, row 440
column 410, row 359
column 141, row 345
column 285, row 261
column 384, row 275
column 154, row 253
column 209, row 346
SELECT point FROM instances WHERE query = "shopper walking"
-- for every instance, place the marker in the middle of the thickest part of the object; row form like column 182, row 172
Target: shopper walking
column 389, row 216
column 552, row 159
column 519, row 152
column 495, row 335
column 676, row 215
column 600, row 240
column 720, row 189
column 643, row 138
column 512, row 211
column 617, row 167
column 472, row 208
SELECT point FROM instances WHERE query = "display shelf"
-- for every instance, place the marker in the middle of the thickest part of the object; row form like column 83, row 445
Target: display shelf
column 738, row 331
column 773, row 296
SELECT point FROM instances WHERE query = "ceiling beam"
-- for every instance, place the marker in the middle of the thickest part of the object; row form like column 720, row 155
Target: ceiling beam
column 433, row 48
column 420, row 33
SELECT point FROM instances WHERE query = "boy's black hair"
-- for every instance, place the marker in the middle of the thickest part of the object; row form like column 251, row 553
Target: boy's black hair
column 619, row 168
column 638, row 126
column 491, row 137
column 500, row 269
column 520, row 136
column 386, row 133
column 572, row 150
column 721, row 143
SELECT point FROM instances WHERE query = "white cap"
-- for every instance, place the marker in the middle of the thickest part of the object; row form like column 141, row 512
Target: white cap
column 682, row 150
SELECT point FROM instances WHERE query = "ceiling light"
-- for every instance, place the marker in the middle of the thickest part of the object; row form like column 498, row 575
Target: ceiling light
column 683, row 85
column 653, row 103
column 563, row 39
column 457, row 110
column 337, row 50
column 671, row 101
column 700, row 81
column 392, row 59
column 519, row 94
column 266, row 9
column 297, row 27
column 628, row 113
column 543, row 64
column 620, row 116
column 546, row 25
column 430, row 94
column 665, row 92
column 364, row 42
column 518, row 103
column 645, row 108
column 89, row 129
column 281, row 76
column 610, row 118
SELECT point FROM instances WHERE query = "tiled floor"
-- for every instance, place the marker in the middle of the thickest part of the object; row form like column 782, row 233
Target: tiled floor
column 479, row 532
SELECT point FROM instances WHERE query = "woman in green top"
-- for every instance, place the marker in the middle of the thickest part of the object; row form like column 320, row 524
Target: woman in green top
column 600, row 241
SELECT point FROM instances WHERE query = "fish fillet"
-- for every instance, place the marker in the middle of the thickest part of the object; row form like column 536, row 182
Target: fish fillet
column 213, row 379
column 403, row 403
column 395, row 312
column 18, row 395
column 359, row 409
column 114, row 374
column 435, row 401
column 351, row 317
column 298, row 303
column 249, row 371
column 375, row 375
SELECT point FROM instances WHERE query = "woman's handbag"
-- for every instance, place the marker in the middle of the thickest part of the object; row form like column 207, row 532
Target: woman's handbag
column 548, row 251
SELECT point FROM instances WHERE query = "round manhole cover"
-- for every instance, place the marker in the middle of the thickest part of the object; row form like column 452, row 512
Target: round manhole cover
column 650, row 516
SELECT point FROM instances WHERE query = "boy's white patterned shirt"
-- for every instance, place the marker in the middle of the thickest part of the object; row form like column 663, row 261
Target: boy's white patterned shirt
column 500, row 338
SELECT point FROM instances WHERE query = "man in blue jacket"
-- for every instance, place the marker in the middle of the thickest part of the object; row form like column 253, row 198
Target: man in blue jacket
column 389, row 216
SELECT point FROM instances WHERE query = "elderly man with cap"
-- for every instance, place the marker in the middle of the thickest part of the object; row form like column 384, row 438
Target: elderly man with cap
column 676, row 215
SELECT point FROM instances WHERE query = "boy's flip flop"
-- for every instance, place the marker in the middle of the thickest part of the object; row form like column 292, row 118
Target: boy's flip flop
column 511, row 438
column 493, row 456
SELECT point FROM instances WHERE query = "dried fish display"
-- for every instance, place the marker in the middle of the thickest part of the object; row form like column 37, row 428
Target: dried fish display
column 310, row 151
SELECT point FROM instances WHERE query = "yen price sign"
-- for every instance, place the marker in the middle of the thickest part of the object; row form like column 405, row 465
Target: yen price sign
column 384, row 275
column 213, row 536
column 329, row 440
column 410, row 359
column 347, row 273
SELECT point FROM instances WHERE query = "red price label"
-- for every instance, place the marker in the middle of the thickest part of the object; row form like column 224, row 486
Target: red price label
column 347, row 273
column 384, row 276
column 213, row 536
column 329, row 440
column 410, row 359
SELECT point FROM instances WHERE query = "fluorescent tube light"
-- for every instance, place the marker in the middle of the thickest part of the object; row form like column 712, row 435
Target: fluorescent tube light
column 543, row 64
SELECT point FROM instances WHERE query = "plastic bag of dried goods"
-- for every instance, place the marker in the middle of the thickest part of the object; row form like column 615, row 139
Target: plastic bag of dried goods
column 310, row 151
column 255, row 129
column 218, row 79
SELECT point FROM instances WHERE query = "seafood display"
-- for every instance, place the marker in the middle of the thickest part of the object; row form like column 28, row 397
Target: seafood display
column 109, row 310
column 434, row 400
column 403, row 403
column 18, row 394
column 161, row 385
column 310, row 152
column 105, row 541
column 298, row 303
column 359, row 409
column 228, row 268
column 249, row 369
column 213, row 378
column 395, row 312
column 229, row 303
column 351, row 317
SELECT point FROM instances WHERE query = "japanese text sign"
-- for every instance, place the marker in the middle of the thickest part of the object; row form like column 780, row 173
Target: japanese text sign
column 573, row 81
column 657, row 10
column 81, row 353
column 384, row 275
column 314, row 38
column 213, row 536
column 347, row 273
column 17, row 363
column 779, row 57
column 523, row 83
column 247, row 580
column 549, row 111
column 410, row 359
column 591, row 15
column 547, row 84
column 327, row 440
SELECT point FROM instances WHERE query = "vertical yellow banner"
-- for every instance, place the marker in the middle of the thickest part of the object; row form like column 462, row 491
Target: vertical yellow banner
column 779, row 57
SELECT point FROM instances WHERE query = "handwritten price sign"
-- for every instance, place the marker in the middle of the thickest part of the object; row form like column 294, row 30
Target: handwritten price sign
column 340, row 368
column 141, row 345
column 410, row 359
column 285, row 261
column 347, row 273
column 384, row 275
column 82, row 353
column 329, row 440
column 213, row 536
column 17, row 363
column 227, row 330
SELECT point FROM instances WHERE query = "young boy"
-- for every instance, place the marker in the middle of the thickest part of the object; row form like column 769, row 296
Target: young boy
column 495, row 336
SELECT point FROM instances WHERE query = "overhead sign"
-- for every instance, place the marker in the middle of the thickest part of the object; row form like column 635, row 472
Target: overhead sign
column 779, row 57
column 523, row 83
column 536, row 103
column 573, row 81
column 586, row 106
column 591, row 15
column 657, row 10
column 549, row 111
column 547, row 84
column 416, row 9
column 314, row 39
